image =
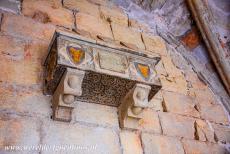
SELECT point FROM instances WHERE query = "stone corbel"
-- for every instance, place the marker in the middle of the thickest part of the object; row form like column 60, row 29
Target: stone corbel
column 131, row 108
column 65, row 94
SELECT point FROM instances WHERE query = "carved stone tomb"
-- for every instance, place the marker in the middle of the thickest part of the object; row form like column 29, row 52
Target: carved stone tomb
column 77, row 69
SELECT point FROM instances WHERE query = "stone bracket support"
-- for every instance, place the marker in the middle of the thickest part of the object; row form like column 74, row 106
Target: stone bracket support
column 131, row 108
column 65, row 94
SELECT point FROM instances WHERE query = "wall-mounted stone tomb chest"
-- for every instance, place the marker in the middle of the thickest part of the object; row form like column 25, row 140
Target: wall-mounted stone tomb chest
column 81, row 70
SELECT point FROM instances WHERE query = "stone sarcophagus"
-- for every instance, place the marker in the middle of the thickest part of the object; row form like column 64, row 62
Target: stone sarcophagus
column 77, row 69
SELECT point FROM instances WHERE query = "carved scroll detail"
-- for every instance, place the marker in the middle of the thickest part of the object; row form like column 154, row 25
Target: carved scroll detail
column 65, row 94
column 133, row 104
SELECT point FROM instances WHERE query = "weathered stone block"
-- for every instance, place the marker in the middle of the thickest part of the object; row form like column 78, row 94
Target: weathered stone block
column 179, row 103
column 214, row 113
column 149, row 122
column 10, row 6
column 156, row 102
column 169, row 84
column 12, row 47
column 100, row 2
column 19, row 132
column 24, row 100
column 26, row 28
column 222, row 132
column 96, row 113
column 21, row 61
column 197, row 147
column 127, row 36
column 161, row 144
column 154, row 44
column 204, row 132
column 114, row 15
column 94, row 26
column 86, row 139
column 160, row 69
column 205, row 96
column 83, row 6
column 195, row 81
column 48, row 11
column 130, row 142
column 139, row 26
column 20, row 72
column 176, row 125
column 170, row 67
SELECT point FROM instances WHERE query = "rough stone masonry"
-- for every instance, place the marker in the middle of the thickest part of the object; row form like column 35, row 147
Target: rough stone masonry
column 185, row 117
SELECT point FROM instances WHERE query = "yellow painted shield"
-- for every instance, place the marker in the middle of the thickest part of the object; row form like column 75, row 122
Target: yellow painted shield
column 143, row 70
column 77, row 54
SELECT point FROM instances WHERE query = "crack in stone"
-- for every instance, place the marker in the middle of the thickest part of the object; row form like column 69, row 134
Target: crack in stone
column 164, row 106
column 142, row 144
column 1, row 19
column 142, row 39
column 196, row 135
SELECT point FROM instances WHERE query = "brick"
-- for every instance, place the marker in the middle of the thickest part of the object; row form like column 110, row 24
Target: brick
column 22, row 61
column 213, row 113
column 10, row 6
column 52, row 10
column 176, row 125
column 96, row 27
column 179, row 103
column 18, row 132
column 192, row 38
column 82, row 6
column 154, row 44
column 96, row 113
column 196, row 147
column 114, row 15
column 161, row 144
column 92, row 139
column 127, row 36
column 130, row 142
column 204, row 131
column 26, row 28
column 222, row 132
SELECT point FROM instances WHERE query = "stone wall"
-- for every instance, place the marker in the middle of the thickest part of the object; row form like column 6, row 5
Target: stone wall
column 184, row 117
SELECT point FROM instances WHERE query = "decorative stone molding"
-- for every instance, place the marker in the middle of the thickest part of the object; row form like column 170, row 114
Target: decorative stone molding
column 78, row 69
